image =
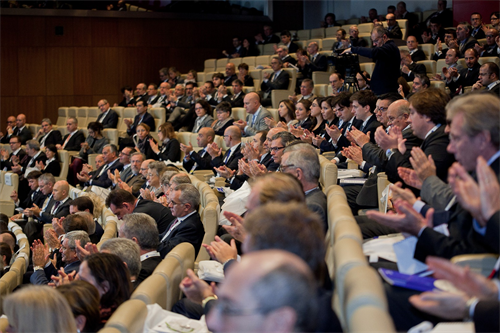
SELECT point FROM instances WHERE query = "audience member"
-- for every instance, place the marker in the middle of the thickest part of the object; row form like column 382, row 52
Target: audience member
column 47, row 135
column 488, row 78
column 108, row 117
column 74, row 139
column 393, row 29
column 476, row 22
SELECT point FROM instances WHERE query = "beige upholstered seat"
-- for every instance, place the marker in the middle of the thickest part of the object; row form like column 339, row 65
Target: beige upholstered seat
column 129, row 317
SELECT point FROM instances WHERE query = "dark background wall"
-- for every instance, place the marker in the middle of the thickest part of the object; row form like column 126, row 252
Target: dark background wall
column 99, row 53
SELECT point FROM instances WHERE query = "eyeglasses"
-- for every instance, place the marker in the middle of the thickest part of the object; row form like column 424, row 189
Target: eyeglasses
column 173, row 203
column 284, row 167
column 227, row 309
column 275, row 149
column 381, row 108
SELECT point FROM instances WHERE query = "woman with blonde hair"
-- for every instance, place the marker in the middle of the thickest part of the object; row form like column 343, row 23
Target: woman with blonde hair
column 170, row 149
column 38, row 309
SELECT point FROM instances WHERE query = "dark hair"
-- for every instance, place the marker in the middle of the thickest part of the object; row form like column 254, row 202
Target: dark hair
column 118, row 197
column 210, row 83
column 6, row 251
column 129, row 88
column 106, row 267
column 243, row 65
column 285, row 33
column 194, row 84
column 224, row 106
column 392, row 97
column 218, row 75
column 290, row 107
column 364, row 98
column 75, row 222
column 83, row 203
column 95, row 126
column 34, row 174
column 154, row 85
column 476, row 13
column 451, row 32
column 205, row 105
column 52, row 148
column 238, row 82
column 431, row 102
column 83, row 299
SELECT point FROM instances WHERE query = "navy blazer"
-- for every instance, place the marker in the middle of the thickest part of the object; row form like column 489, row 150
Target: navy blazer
column 232, row 162
column 170, row 151
column 148, row 119
column 158, row 212
column 53, row 138
column 74, row 143
column 203, row 162
column 111, row 119
column 103, row 180
column 63, row 210
column 280, row 82
column 190, row 230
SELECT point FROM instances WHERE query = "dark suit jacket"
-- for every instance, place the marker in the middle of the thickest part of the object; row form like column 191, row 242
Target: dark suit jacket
column 103, row 180
column 386, row 72
column 111, row 119
column 468, row 44
column 435, row 144
column 136, row 182
column 320, row 64
column 96, row 236
column 53, row 138
column 203, row 163
column 288, row 58
column 478, row 34
column 495, row 90
column 293, row 48
column 467, row 78
column 62, row 210
column 486, row 316
column 237, row 101
column 54, row 168
column 21, row 154
column 414, row 69
column 395, row 32
column 190, row 230
column 316, row 202
column 24, row 135
column 418, row 55
column 248, row 81
column 147, row 268
column 33, row 197
column 229, row 79
column 170, row 151
column 43, row 277
column 148, row 119
column 29, row 163
column 74, row 142
column 280, row 82
column 158, row 212
column 232, row 162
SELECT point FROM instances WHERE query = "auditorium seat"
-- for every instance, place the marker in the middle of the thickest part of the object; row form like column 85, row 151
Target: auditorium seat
column 368, row 67
column 236, row 61
column 430, row 66
column 345, row 27
column 81, row 116
column 62, row 115
column 332, row 31
column 220, row 65
column 428, row 50
column 483, row 60
column 64, row 161
column 263, row 60
column 304, row 34
column 438, row 84
column 129, row 317
column 403, row 24
column 210, row 65
column 352, row 21
column 318, row 33
column 321, row 77
column 328, row 43
column 268, row 49
column 365, row 28
column 92, row 114
column 250, row 61
column 320, row 90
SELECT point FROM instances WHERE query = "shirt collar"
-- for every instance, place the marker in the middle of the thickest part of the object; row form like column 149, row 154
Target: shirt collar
column 180, row 219
column 150, row 254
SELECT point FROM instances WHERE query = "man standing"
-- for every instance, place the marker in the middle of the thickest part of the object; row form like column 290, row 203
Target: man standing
column 108, row 117
column 256, row 115
column 387, row 59
column 184, row 201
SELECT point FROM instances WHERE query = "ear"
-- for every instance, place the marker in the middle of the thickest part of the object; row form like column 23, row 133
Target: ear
column 280, row 320
column 135, row 240
column 105, row 285
column 80, row 322
column 300, row 174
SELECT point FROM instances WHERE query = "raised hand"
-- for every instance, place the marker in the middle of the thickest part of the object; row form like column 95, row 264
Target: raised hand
column 409, row 176
column 221, row 251
column 236, row 229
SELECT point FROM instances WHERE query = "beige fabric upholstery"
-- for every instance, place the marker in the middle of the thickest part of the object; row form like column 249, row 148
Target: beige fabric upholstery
column 64, row 160
column 129, row 317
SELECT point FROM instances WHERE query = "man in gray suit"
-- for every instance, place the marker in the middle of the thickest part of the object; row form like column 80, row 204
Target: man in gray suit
column 302, row 161
column 256, row 115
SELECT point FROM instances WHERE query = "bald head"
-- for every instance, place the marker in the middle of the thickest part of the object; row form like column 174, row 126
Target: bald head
column 251, row 102
column 398, row 113
column 234, row 132
column 60, row 190
column 20, row 120
column 7, row 238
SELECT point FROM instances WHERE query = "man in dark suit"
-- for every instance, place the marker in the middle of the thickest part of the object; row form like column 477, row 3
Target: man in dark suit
column 141, row 92
column 464, row 39
column 466, row 77
column 415, row 53
column 18, row 155
column 268, row 38
column 9, row 131
column 101, row 178
column 490, row 49
column 21, row 130
column 402, row 13
column 236, row 99
column 287, row 59
column 488, row 78
column 477, row 26
column 286, row 39
column 141, row 228
column 385, row 53
column 84, row 206
column 393, row 29
column 363, row 104
column 162, row 100
column 184, row 201
column 433, row 33
column 108, row 117
column 47, row 135
column 199, row 160
column 35, row 156
column 35, row 196
column 315, row 63
column 230, row 74
column 409, row 68
column 43, row 271
column 122, row 202
column 280, row 79
column 58, row 205
column 302, row 161
column 73, row 140
column 142, row 117
column 152, row 94
column 232, row 138
column 443, row 15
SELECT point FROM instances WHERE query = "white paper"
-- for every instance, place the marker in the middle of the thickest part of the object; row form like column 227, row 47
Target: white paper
column 235, row 203
column 211, row 270
column 404, row 251
column 457, row 327
column 382, row 247
column 158, row 317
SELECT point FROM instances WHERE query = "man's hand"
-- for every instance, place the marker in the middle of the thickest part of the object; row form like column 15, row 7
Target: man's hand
column 257, row 168
column 407, row 220
column 346, row 51
column 124, row 186
column 297, row 132
column 422, row 164
column 62, row 278
column 14, row 196
column 82, row 252
column 354, row 153
column 266, row 75
column 195, row 289
column 398, row 193
column 270, row 122
column 447, row 305
column 477, row 86
column 5, row 154
column 236, row 229
column 57, row 225
column 83, row 177
column 221, row 251
column 384, row 140
column 409, row 176
column 334, row 132
column 187, row 149
column 359, row 137
column 251, row 153
column 40, row 253
column 225, row 172
column 86, row 168
column 405, row 69
column 35, row 210
column 213, row 150
column 51, row 238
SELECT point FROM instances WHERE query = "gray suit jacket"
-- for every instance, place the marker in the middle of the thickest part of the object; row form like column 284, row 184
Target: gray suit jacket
column 259, row 123
column 436, row 193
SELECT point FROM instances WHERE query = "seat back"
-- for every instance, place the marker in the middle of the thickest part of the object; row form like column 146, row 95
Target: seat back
column 112, row 135
column 81, row 115
column 428, row 50
column 250, row 61
column 430, row 67
column 304, row 34
column 318, row 33
column 93, row 113
column 328, row 43
column 364, row 28
column 10, row 183
column 62, row 115
column 210, row 65
column 263, row 60
column 129, row 317
column 328, row 173
column 64, row 160
column 269, row 49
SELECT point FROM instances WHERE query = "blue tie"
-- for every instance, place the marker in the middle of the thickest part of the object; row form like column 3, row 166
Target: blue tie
column 227, row 156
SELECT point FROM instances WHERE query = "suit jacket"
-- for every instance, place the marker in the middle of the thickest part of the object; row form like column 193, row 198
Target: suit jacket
column 135, row 182
column 490, row 51
column 148, row 266
column 486, row 316
column 495, row 90
column 358, row 42
column 103, row 180
column 170, row 151
column 316, row 202
column 232, row 162
column 469, row 43
column 320, row 64
column 237, row 101
column 293, row 48
column 24, row 134
column 201, row 158
column 288, row 58
column 207, row 122
column 229, row 79
column 53, row 138
column 110, row 121
column 248, row 82
column 46, row 215
column 42, row 277
column 34, row 197
column 158, row 212
column 31, row 163
column 153, row 99
column 418, row 55
column 259, row 124
column 147, row 119
column 478, row 33
column 54, row 168
column 414, row 69
column 74, row 143
column 276, row 82
column 467, row 78
column 21, row 154
column 435, row 144
column 143, row 97
column 395, row 32
column 386, row 72
column 190, row 230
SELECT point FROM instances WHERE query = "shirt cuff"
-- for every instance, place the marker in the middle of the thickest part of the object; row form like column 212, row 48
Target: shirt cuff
column 421, row 231
column 477, row 227
column 418, row 205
